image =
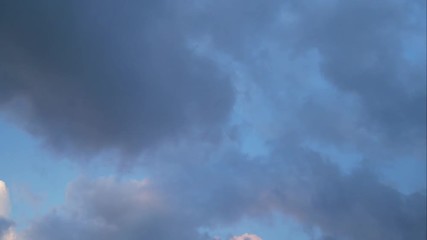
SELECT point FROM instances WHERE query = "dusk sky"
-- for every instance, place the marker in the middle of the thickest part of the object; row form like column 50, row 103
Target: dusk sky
column 213, row 120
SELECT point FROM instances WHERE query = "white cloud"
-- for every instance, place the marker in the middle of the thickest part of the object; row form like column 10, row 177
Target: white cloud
column 246, row 236
column 4, row 200
column 10, row 235
column 4, row 212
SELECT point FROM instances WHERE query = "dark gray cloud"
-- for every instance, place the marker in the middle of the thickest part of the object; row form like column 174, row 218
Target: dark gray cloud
column 154, row 87
column 90, row 75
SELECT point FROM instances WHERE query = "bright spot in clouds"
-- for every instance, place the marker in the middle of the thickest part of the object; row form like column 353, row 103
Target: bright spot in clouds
column 247, row 236
column 9, row 234
column 4, row 200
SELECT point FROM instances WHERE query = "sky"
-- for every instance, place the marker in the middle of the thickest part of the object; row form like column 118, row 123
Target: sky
column 213, row 120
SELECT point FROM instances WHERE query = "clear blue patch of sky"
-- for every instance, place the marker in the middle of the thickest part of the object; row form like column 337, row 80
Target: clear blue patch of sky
column 36, row 180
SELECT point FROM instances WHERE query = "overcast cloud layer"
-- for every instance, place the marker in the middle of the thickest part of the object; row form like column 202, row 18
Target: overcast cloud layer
column 179, row 88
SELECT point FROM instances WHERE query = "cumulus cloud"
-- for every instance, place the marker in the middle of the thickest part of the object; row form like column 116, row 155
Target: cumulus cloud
column 4, row 200
column 6, row 225
column 246, row 236
column 178, row 202
column 299, row 183
column 111, row 209
column 86, row 76
column 354, row 206
column 108, row 209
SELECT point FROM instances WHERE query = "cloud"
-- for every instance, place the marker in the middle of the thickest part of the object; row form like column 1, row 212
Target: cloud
column 246, row 236
column 4, row 200
column 299, row 183
column 339, row 73
column 129, row 80
column 177, row 201
column 124, row 79
column 362, row 49
column 122, row 76
column 6, row 225
column 354, row 206
column 108, row 209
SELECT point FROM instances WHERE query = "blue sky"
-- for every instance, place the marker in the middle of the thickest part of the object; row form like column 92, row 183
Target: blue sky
column 209, row 120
